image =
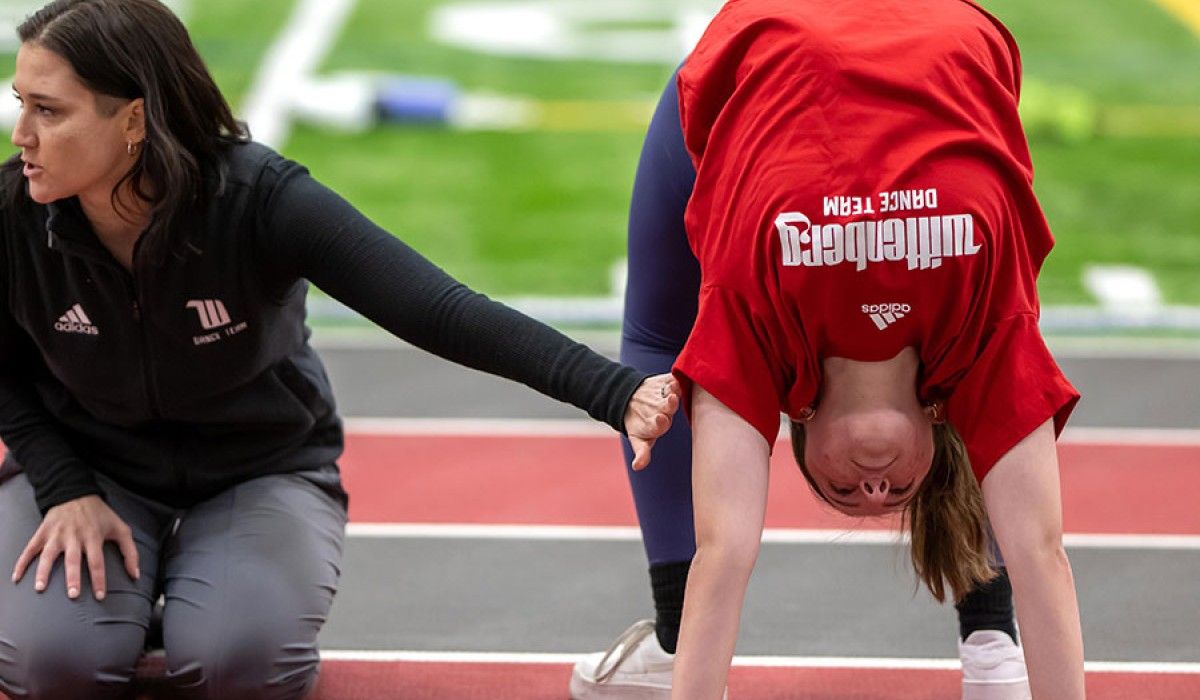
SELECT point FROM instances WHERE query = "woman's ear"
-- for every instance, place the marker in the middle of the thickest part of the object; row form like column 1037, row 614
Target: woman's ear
column 135, row 121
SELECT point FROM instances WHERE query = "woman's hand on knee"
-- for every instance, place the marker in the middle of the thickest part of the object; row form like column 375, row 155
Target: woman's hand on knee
column 79, row 527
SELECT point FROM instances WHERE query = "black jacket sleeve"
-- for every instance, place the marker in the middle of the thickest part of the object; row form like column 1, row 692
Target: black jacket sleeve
column 49, row 461
column 309, row 231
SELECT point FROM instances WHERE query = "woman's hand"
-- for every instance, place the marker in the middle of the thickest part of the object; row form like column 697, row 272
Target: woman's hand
column 648, row 415
column 75, row 528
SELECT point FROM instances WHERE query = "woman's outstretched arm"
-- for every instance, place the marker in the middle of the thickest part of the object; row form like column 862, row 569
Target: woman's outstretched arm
column 1024, row 505
column 729, row 486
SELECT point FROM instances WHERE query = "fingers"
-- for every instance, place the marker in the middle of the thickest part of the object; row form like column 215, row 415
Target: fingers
column 673, row 388
column 71, row 562
column 46, row 559
column 31, row 550
column 667, row 387
column 641, row 453
column 129, row 552
column 75, row 530
column 95, row 563
column 650, row 413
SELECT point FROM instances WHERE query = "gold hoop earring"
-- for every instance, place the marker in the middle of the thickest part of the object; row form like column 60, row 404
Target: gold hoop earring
column 936, row 412
column 806, row 414
column 130, row 148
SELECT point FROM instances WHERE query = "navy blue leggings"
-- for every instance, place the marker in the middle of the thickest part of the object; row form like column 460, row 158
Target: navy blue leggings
column 660, row 308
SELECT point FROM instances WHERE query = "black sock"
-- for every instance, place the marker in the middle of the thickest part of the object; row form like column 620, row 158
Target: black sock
column 668, row 582
column 988, row 607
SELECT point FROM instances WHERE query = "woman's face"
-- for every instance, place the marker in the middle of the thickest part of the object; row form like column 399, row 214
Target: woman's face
column 72, row 140
column 869, row 462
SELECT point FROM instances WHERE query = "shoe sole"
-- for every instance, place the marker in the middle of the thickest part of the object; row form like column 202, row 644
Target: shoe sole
column 583, row 689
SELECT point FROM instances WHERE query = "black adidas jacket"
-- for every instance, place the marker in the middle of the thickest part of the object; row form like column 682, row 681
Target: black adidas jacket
column 195, row 374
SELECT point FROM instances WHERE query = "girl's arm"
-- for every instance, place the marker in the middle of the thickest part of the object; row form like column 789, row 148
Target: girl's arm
column 1025, row 508
column 729, row 487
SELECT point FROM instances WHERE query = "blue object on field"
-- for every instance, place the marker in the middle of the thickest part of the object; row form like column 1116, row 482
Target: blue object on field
column 416, row 100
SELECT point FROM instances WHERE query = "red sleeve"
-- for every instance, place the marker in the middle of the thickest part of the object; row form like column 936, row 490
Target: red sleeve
column 1013, row 386
column 730, row 356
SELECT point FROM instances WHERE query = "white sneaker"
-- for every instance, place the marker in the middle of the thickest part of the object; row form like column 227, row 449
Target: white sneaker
column 993, row 667
column 635, row 667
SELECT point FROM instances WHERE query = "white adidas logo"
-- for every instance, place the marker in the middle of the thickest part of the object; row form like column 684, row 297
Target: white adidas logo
column 885, row 315
column 76, row 321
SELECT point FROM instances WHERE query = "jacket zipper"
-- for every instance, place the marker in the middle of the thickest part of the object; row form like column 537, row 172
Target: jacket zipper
column 147, row 365
column 150, row 384
column 147, row 370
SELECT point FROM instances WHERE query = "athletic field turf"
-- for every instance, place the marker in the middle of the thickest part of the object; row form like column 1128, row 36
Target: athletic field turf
column 1113, row 110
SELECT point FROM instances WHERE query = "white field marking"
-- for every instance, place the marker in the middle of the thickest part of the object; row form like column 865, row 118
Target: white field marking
column 882, row 663
column 574, row 29
column 1123, row 287
column 605, row 533
column 478, row 427
column 295, row 55
column 553, row 428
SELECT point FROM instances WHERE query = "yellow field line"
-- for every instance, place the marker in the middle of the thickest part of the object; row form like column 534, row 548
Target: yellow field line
column 1131, row 121
column 1186, row 11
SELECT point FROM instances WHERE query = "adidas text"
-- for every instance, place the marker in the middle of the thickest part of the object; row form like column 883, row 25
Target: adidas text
column 71, row 327
column 76, row 321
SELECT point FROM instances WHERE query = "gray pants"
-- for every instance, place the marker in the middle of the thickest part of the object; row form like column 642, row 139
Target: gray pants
column 248, row 577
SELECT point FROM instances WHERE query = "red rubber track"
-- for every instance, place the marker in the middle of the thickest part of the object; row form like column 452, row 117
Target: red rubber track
column 348, row 680
column 1110, row 489
column 578, row 480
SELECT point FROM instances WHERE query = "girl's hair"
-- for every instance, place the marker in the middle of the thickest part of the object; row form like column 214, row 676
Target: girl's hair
column 945, row 517
column 128, row 49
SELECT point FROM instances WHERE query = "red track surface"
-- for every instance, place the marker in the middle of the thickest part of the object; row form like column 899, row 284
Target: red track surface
column 357, row 680
column 579, row 481
column 345, row 680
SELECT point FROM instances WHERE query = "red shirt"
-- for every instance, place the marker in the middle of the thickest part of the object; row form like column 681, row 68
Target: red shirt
column 863, row 185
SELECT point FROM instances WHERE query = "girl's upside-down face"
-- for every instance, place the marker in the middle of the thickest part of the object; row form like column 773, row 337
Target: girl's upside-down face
column 868, row 462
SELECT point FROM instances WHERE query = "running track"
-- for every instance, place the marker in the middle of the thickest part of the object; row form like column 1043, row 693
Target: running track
column 557, row 481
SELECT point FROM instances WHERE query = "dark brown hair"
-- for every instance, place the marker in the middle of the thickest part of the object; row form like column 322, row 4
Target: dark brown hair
column 945, row 517
column 138, row 48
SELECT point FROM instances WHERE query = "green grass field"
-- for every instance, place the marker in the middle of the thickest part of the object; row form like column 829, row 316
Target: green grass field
column 543, row 212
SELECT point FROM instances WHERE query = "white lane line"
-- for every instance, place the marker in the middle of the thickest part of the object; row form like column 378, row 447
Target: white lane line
column 1160, row 437
column 477, row 427
column 577, row 533
column 534, row 427
column 295, row 55
column 750, row 661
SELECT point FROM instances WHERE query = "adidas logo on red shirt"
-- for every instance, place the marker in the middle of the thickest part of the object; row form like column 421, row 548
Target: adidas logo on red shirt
column 884, row 315
column 76, row 321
